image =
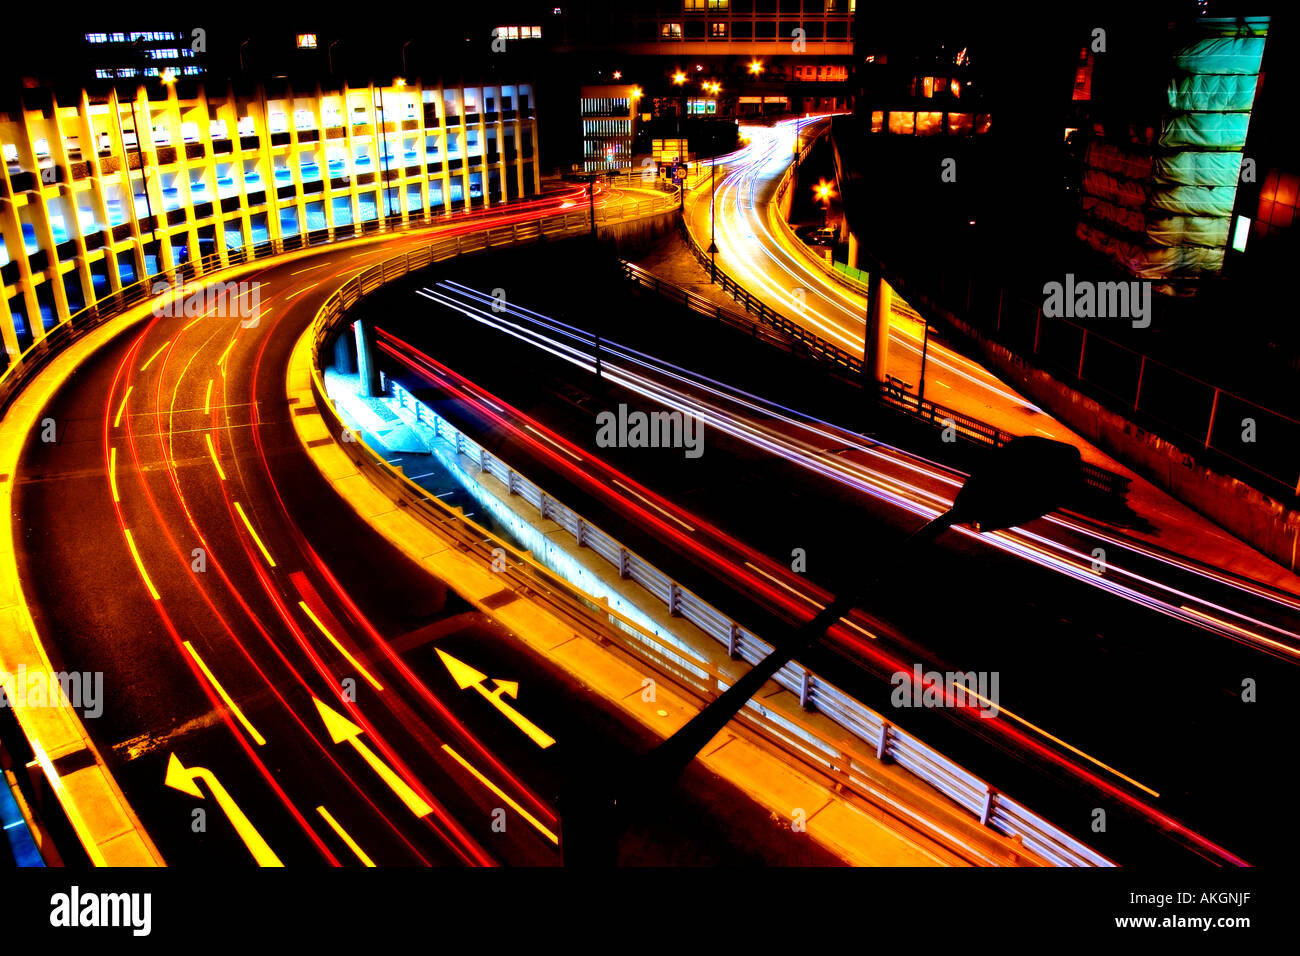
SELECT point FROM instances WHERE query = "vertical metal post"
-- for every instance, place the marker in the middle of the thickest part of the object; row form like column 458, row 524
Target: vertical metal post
column 713, row 203
column 925, row 348
column 1214, row 409
column 1138, row 394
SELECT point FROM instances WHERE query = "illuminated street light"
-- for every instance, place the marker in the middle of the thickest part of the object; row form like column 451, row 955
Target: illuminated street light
column 679, row 77
column 825, row 192
column 168, row 76
column 756, row 67
column 398, row 83
column 636, row 93
column 618, row 74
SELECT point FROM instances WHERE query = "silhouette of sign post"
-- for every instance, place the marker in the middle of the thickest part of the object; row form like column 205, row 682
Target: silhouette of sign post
column 1020, row 481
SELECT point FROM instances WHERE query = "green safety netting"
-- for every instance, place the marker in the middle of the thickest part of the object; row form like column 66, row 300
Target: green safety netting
column 1197, row 168
column 1229, row 55
column 1205, row 131
column 1165, row 211
column 1212, row 92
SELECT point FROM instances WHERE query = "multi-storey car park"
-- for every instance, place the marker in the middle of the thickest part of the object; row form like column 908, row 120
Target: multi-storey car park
column 88, row 208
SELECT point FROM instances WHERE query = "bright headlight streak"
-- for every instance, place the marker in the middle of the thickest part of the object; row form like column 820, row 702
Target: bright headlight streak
column 852, row 474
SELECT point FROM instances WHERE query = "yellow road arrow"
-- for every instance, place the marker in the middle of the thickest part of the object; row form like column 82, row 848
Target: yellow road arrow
column 341, row 729
column 186, row 780
column 465, row 676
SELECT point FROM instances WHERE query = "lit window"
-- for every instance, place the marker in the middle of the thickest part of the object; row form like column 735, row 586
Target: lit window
column 117, row 37
column 165, row 54
column 902, row 123
column 306, row 41
column 1240, row 234
column 96, row 37
column 929, row 123
column 877, row 121
column 717, row 29
column 126, row 71
column 671, row 31
column 104, row 74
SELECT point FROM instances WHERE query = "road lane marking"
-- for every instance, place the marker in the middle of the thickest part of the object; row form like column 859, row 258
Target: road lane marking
column 112, row 473
column 550, row 440
column 130, row 541
column 309, row 268
column 343, row 835
column 207, row 399
column 466, row 676
column 221, row 362
column 339, row 647
column 666, row 514
column 234, row 708
column 301, row 291
column 121, row 408
column 341, row 729
column 778, row 581
column 186, row 779
column 249, row 525
column 213, row 452
column 155, row 355
column 503, row 795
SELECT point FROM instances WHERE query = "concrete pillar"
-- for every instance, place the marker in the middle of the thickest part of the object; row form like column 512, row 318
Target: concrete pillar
column 854, row 251
column 343, row 360
column 876, row 346
column 366, row 363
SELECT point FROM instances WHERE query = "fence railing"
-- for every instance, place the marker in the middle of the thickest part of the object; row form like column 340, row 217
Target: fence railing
column 877, row 737
column 35, row 357
column 993, row 809
column 767, row 328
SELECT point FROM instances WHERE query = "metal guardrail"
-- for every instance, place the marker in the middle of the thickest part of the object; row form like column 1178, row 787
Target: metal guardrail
column 971, row 429
column 878, row 737
column 810, row 343
column 19, row 373
column 537, row 583
column 844, row 363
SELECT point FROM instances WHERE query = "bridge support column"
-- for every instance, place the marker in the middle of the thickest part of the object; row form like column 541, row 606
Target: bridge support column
column 855, row 249
column 343, row 360
column 366, row 364
column 876, row 347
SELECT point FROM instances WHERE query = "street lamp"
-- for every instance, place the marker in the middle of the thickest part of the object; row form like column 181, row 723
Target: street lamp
column 824, row 192
column 756, row 67
column 679, row 78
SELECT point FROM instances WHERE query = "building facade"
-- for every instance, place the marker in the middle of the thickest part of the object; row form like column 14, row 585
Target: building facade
column 120, row 185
